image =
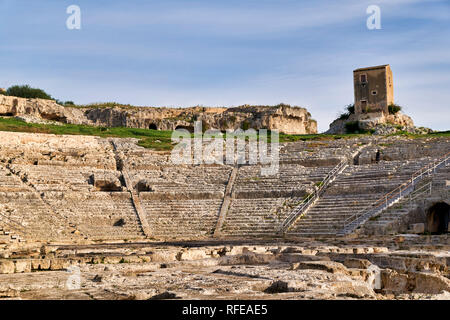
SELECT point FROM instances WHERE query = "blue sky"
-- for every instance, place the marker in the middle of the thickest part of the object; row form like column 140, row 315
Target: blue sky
column 230, row 52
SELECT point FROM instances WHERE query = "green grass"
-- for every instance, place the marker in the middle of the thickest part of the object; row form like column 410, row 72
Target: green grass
column 437, row 134
column 153, row 139
column 159, row 139
column 317, row 137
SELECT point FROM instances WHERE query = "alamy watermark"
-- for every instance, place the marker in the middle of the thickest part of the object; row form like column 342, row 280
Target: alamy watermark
column 74, row 280
column 73, row 22
column 234, row 147
column 374, row 20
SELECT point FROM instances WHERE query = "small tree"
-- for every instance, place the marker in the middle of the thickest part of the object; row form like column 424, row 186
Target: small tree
column 350, row 110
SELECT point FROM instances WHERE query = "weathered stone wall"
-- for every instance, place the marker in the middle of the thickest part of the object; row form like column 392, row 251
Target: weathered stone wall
column 377, row 90
column 287, row 119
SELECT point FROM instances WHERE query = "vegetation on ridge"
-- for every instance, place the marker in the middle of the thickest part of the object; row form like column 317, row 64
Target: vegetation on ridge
column 350, row 109
column 159, row 139
column 153, row 139
column 394, row 108
column 25, row 91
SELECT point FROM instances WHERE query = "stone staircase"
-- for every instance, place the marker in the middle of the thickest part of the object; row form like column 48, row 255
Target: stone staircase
column 383, row 223
column 301, row 210
column 355, row 188
column 326, row 216
column 259, row 204
column 396, row 195
column 121, row 166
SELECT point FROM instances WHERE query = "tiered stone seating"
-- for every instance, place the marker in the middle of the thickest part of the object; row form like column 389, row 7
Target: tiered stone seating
column 57, row 178
column 187, row 219
column 384, row 223
column 353, row 190
column 413, row 149
column 327, row 215
column 254, row 217
column 184, row 178
column 78, row 151
column 99, row 215
column 379, row 177
column 10, row 182
column 45, row 185
column 318, row 153
column 291, row 180
column 36, row 218
column 261, row 203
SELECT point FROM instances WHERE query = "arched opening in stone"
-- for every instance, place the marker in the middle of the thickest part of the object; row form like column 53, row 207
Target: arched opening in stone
column 188, row 128
column 438, row 218
column 153, row 126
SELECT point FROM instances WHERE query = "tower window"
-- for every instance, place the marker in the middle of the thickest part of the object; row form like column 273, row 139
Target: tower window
column 374, row 92
column 363, row 78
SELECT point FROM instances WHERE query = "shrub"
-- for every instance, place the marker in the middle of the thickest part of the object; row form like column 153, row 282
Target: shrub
column 27, row 92
column 394, row 108
column 350, row 110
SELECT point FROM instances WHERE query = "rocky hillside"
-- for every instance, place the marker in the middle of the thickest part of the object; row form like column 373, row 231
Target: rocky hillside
column 286, row 119
column 378, row 123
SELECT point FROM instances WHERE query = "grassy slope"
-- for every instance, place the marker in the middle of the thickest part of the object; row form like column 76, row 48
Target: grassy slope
column 152, row 139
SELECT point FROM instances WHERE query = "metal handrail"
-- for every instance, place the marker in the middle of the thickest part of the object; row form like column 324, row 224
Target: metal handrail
column 389, row 198
column 313, row 196
column 417, row 193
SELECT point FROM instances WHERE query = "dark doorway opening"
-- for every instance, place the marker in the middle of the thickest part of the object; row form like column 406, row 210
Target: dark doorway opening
column 153, row 126
column 378, row 156
column 438, row 218
column 188, row 128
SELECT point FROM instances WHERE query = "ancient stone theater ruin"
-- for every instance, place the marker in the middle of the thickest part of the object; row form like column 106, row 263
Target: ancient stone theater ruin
column 362, row 217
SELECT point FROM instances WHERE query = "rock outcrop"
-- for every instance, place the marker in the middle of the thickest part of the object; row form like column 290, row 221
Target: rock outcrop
column 380, row 123
column 286, row 119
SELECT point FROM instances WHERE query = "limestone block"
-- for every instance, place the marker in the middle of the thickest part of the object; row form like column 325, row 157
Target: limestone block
column 328, row 266
column 6, row 266
column 40, row 264
column 298, row 257
column 59, row 264
column 23, row 266
column 417, row 228
column 248, row 258
column 357, row 263
column 192, row 254
column 113, row 260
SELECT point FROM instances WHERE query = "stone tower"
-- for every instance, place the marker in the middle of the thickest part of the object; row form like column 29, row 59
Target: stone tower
column 374, row 89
